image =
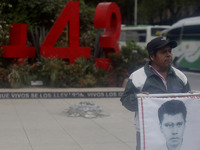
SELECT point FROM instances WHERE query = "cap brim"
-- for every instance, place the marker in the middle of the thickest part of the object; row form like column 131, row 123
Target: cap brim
column 172, row 44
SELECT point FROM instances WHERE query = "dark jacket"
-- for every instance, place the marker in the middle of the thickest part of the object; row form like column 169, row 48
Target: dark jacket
column 145, row 80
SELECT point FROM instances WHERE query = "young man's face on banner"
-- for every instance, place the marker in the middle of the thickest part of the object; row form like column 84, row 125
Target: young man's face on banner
column 172, row 128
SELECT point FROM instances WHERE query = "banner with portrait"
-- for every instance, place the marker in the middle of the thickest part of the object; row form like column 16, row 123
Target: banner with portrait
column 170, row 121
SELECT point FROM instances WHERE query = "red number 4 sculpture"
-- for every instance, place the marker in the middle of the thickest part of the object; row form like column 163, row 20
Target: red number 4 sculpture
column 69, row 15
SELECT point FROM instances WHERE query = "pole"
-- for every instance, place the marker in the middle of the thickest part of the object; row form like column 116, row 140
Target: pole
column 135, row 14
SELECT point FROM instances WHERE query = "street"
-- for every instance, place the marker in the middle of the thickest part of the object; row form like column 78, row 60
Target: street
column 194, row 80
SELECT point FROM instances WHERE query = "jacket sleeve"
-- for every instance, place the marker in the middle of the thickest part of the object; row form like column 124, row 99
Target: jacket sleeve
column 187, row 88
column 128, row 99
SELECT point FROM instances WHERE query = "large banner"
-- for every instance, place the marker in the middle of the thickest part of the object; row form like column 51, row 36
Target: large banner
column 169, row 122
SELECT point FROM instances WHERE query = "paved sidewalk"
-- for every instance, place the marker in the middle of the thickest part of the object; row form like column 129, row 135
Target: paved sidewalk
column 43, row 124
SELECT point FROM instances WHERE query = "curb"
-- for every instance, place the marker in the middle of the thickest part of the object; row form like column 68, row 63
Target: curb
column 60, row 93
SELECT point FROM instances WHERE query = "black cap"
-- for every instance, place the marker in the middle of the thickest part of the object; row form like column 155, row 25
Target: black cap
column 159, row 43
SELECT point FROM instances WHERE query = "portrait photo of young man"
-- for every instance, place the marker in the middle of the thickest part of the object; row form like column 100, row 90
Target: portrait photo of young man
column 172, row 118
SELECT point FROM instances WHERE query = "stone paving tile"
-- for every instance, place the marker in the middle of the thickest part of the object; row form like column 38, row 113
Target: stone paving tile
column 43, row 124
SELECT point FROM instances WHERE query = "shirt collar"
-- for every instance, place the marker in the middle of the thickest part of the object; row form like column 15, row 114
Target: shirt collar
column 150, row 72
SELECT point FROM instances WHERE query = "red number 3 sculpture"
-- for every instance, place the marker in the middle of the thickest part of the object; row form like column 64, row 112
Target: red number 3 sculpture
column 108, row 16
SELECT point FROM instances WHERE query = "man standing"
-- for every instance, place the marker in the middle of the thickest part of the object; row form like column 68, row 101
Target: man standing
column 172, row 118
column 157, row 76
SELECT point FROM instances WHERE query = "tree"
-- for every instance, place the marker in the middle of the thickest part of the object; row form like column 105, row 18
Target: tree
column 126, row 8
column 32, row 12
column 166, row 11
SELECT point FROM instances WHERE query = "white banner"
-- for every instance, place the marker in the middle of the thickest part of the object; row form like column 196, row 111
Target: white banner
column 169, row 122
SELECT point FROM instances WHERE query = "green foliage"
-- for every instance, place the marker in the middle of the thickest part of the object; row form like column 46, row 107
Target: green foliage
column 101, row 77
column 4, row 33
column 82, row 73
column 54, row 73
column 132, row 57
column 46, row 70
column 154, row 11
column 4, row 29
column 19, row 75
column 166, row 11
column 126, row 8
column 20, row 11
column 4, row 78
column 87, row 31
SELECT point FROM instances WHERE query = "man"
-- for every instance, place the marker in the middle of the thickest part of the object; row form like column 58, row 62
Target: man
column 172, row 118
column 157, row 76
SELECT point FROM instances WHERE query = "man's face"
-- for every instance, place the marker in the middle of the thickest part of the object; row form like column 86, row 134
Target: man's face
column 163, row 58
column 172, row 128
